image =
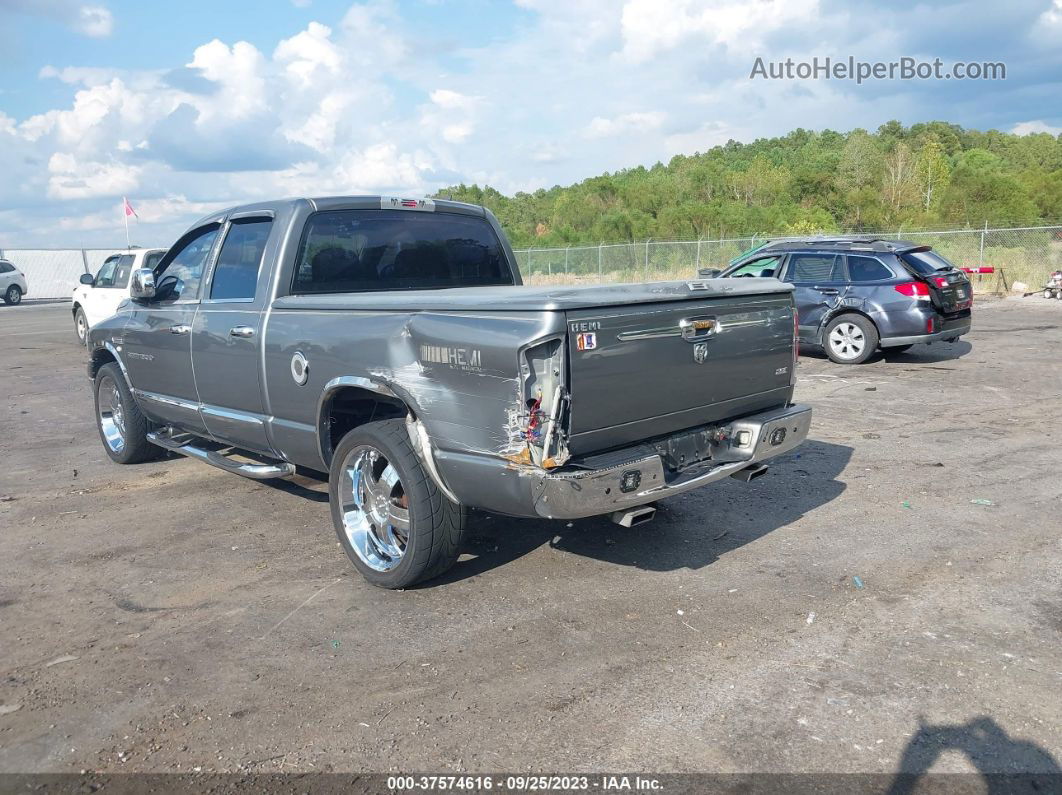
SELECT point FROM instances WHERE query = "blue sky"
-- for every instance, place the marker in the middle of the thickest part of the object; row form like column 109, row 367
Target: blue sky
column 227, row 102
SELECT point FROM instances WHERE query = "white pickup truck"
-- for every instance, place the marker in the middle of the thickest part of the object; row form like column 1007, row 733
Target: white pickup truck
column 97, row 297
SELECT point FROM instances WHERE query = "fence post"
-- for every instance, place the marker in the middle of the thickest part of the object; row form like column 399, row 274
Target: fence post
column 84, row 259
column 981, row 256
column 697, row 264
column 566, row 249
column 599, row 246
column 645, row 275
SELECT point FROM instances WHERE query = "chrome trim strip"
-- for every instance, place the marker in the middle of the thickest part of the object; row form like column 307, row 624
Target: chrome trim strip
column 649, row 333
column 169, row 401
column 230, row 414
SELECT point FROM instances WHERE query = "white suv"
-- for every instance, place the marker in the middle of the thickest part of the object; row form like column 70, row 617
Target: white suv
column 98, row 297
column 12, row 283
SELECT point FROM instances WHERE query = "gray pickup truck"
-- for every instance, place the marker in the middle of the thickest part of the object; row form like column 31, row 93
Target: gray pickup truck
column 390, row 343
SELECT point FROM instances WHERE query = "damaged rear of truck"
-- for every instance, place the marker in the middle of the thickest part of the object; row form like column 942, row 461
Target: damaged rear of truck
column 395, row 347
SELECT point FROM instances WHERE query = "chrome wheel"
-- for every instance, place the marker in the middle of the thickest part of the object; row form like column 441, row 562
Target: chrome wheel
column 374, row 508
column 82, row 326
column 14, row 295
column 111, row 414
column 847, row 341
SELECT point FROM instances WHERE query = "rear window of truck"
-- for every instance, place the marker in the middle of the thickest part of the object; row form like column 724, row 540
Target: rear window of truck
column 367, row 250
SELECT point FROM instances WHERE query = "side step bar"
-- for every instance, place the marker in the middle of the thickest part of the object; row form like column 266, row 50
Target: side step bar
column 216, row 459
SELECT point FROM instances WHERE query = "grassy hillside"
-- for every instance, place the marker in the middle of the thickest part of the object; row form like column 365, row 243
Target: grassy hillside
column 923, row 176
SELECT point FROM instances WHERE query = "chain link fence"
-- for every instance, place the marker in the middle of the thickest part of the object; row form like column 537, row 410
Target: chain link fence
column 1024, row 254
column 54, row 272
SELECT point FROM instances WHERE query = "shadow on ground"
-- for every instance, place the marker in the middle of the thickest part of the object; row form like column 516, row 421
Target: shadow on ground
column 690, row 531
column 916, row 354
column 1007, row 764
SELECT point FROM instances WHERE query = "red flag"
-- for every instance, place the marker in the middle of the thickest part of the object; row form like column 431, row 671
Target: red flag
column 129, row 208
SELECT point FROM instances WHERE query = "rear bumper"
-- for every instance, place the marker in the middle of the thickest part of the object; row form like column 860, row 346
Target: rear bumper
column 949, row 329
column 573, row 495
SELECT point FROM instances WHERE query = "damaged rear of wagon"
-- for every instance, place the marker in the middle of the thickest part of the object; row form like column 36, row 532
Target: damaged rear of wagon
column 391, row 343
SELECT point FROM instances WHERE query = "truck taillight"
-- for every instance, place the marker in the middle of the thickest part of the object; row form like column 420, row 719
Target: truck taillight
column 916, row 290
column 940, row 281
column 930, row 325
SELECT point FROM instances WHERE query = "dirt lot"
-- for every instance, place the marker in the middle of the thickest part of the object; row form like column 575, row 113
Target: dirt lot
column 171, row 617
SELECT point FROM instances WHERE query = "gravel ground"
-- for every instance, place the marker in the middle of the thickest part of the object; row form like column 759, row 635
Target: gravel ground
column 170, row 617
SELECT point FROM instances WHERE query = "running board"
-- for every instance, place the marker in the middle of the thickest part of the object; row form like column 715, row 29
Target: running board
column 216, row 459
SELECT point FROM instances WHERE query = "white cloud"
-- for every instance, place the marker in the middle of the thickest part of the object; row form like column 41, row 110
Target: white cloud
column 654, row 26
column 95, row 21
column 1037, row 126
column 625, row 123
column 75, row 179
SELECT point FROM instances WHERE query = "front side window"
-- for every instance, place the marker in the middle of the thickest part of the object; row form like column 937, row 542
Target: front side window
column 178, row 274
column 105, row 275
column 236, row 274
column 814, row 268
column 120, row 279
column 364, row 250
column 764, row 266
column 867, row 269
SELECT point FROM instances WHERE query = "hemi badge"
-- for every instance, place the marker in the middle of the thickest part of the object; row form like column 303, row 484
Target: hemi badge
column 586, row 341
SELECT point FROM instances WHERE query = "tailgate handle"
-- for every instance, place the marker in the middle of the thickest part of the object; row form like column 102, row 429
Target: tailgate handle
column 697, row 329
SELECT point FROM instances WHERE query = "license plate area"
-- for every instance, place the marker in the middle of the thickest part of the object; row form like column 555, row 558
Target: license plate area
column 685, row 449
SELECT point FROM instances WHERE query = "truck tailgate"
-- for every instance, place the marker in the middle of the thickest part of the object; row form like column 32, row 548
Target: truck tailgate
column 652, row 369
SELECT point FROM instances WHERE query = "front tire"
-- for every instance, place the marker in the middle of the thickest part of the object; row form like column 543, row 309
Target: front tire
column 395, row 525
column 81, row 326
column 13, row 295
column 850, row 339
column 123, row 428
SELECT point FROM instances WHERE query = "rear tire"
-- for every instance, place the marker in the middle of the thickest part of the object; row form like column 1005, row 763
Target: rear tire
column 13, row 295
column 395, row 525
column 1047, row 294
column 850, row 339
column 123, row 428
column 81, row 326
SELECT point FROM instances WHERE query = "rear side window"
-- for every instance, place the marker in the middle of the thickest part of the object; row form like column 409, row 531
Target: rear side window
column 364, row 250
column 236, row 274
column 814, row 268
column 5, row 268
column 867, row 269
column 152, row 259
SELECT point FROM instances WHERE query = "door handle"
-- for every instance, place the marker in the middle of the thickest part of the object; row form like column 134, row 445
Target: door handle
column 180, row 329
column 827, row 290
column 241, row 331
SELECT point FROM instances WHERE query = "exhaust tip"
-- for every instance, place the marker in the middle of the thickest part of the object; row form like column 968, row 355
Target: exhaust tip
column 635, row 516
column 750, row 472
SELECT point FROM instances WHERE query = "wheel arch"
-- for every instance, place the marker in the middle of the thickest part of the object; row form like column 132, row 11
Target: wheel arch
column 350, row 401
column 105, row 355
column 843, row 310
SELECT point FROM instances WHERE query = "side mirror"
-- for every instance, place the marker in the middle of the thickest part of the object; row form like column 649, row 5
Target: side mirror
column 87, row 279
column 142, row 287
column 708, row 273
